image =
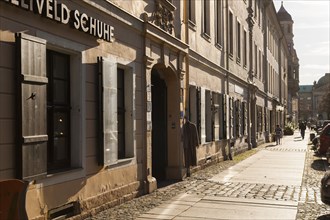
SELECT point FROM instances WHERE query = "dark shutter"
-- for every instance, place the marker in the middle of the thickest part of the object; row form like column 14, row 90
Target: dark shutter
column 32, row 101
column 108, row 112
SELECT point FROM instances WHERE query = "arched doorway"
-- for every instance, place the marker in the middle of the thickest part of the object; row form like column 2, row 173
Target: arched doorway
column 159, row 125
column 165, row 132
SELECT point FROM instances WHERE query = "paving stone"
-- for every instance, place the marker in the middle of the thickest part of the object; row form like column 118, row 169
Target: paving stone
column 310, row 205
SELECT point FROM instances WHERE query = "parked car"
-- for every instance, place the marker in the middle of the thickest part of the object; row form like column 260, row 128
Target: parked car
column 324, row 140
column 325, row 188
column 321, row 125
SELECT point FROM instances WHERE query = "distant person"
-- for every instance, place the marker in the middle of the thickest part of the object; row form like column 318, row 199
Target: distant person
column 302, row 128
column 278, row 134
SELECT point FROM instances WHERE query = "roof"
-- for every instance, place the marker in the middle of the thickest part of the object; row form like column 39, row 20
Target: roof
column 283, row 15
column 305, row 88
column 324, row 80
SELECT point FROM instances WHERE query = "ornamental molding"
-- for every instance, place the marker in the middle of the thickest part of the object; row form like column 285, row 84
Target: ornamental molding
column 163, row 16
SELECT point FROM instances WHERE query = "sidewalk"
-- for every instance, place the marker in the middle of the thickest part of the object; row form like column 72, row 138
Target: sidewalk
column 264, row 186
column 258, row 187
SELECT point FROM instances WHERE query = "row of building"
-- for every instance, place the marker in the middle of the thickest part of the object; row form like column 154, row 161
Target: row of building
column 314, row 100
column 94, row 93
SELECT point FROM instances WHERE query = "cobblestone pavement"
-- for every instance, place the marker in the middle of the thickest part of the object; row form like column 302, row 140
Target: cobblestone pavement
column 310, row 205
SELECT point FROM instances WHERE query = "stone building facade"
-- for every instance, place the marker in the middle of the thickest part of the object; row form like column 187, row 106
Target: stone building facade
column 93, row 94
column 305, row 102
column 286, row 22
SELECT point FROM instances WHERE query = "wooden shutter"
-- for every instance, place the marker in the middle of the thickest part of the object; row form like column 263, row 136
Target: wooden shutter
column 108, row 114
column 216, row 116
column 245, row 118
column 225, row 116
column 231, row 116
column 32, row 101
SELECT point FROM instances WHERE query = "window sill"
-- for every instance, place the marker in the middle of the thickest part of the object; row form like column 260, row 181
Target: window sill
column 218, row 46
column 59, row 177
column 206, row 36
column 192, row 25
column 121, row 162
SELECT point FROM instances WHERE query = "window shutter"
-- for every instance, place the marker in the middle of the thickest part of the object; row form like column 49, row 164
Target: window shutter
column 231, row 116
column 199, row 113
column 216, row 116
column 32, row 101
column 245, row 118
column 108, row 114
column 225, row 116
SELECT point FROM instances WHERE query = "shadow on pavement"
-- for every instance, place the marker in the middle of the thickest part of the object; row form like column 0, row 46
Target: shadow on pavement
column 318, row 165
column 271, row 145
column 324, row 217
column 164, row 183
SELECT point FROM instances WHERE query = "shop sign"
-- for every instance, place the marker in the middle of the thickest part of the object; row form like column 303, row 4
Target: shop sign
column 61, row 13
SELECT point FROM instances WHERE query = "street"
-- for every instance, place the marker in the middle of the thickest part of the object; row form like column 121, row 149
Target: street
column 277, row 182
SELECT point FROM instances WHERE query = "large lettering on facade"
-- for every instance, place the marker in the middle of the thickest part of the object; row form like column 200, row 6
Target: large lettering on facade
column 61, row 13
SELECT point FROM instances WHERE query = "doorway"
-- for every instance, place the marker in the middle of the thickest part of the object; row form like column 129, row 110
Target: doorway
column 159, row 126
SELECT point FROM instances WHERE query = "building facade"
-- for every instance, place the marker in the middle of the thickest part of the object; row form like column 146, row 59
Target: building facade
column 286, row 22
column 94, row 94
column 306, row 102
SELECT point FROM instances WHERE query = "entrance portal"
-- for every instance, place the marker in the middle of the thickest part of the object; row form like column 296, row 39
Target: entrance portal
column 159, row 126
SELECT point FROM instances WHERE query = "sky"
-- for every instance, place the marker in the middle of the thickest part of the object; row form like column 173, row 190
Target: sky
column 311, row 36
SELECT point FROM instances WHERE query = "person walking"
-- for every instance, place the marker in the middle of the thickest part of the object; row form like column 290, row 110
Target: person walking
column 278, row 134
column 302, row 127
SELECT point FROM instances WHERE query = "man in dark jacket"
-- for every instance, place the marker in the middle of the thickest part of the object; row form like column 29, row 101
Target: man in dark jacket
column 302, row 128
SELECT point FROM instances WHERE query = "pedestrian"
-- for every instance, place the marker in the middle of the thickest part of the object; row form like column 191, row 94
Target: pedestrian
column 278, row 134
column 302, row 128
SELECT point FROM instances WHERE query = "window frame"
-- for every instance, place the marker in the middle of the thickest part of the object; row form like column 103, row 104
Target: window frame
column 108, row 152
column 78, row 141
column 53, row 108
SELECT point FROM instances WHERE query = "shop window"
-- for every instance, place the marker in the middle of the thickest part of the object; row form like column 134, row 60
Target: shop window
column 58, row 111
column 195, row 107
column 231, row 116
column 244, row 118
column 224, row 117
column 116, row 118
column 238, row 118
column 49, row 119
column 216, row 115
column 208, row 116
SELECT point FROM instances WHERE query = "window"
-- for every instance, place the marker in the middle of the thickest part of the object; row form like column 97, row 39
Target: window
column 260, row 65
column 238, row 37
column 245, row 49
column 121, row 112
column 208, row 117
column 195, row 107
column 256, row 60
column 238, row 118
column 206, row 17
column 231, row 34
column 216, row 115
column 58, row 111
column 50, row 78
column 223, row 119
column 244, row 118
column 191, row 11
column 219, row 22
column 117, row 105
